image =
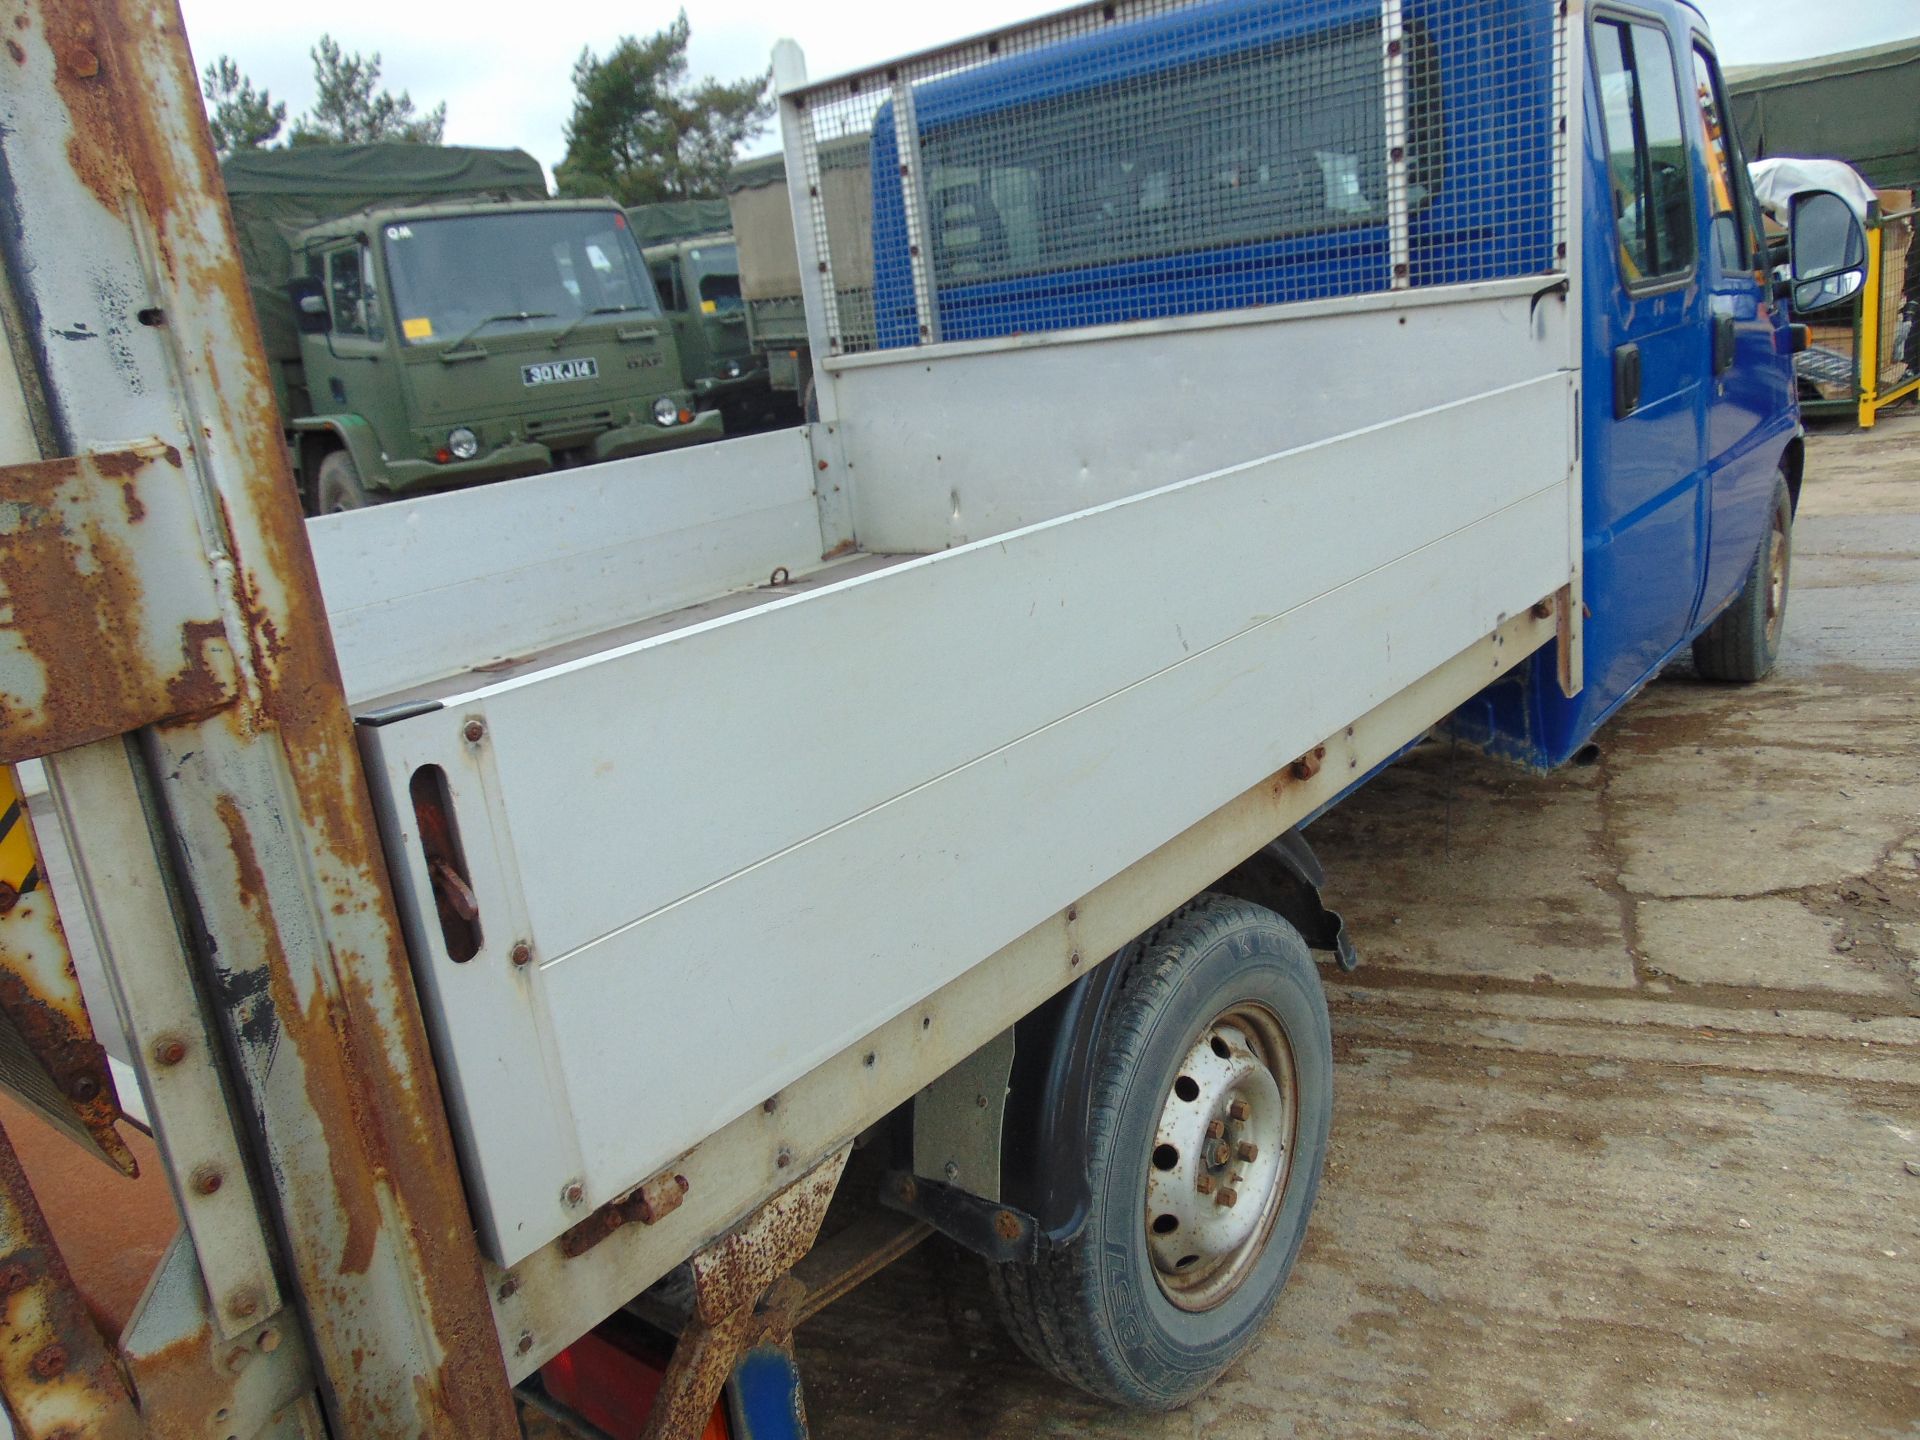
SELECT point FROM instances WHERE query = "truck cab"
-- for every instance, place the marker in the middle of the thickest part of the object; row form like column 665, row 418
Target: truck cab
column 448, row 345
column 698, row 280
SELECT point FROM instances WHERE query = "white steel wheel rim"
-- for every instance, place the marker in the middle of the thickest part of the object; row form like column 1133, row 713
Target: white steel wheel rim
column 1221, row 1153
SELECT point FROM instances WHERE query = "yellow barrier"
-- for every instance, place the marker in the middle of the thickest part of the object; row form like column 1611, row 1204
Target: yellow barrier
column 1881, row 299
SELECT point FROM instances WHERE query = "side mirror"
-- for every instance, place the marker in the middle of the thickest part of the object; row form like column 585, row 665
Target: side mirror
column 309, row 305
column 1829, row 250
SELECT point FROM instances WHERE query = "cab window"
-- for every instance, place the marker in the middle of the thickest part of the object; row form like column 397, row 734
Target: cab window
column 1727, row 185
column 1647, row 167
column 352, row 295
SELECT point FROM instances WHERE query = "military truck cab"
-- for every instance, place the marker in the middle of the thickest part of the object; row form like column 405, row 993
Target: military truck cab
column 698, row 280
column 432, row 320
column 447, row 345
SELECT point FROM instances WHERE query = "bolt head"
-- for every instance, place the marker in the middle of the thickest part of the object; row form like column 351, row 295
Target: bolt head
column 475, row 731
column 521, row 954
column 508, row 1287
column 269, row 1341
column 573, row 1194
column 782, row 1160
column 243, row 1303
column 526, row 1342
column 50, row 1363
column 952, row 1170
column 1227, row 1198
column 207, row 1180
column 1238, row 1110
column 169, row 1050
column 1248, row 1151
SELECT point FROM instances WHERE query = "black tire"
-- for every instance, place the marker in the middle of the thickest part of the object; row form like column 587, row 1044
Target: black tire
column 1097, row 1312
column 338, row 487
column 1743, row 642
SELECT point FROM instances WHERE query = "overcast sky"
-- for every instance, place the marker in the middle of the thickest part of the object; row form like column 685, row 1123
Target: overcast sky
column 505, row 69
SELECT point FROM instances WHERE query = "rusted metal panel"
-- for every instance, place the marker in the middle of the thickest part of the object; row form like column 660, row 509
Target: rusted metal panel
column 743, row 1296
column 57, row 1374
column 112, row 621
column 192, row 1381
column 49, row 1057
column 104, row 135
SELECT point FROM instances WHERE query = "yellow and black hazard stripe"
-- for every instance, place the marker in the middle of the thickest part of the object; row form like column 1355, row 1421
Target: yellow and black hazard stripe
column 19, row 865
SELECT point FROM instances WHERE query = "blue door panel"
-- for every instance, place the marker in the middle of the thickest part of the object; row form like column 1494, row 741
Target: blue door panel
column 1675, row 496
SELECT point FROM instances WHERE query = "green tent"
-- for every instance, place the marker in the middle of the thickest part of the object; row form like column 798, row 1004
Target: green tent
column 665, row 220
column 1860, row 106
column 275, row 194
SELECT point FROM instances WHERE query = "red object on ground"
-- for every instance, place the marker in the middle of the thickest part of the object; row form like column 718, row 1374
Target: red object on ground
column 609, row 1378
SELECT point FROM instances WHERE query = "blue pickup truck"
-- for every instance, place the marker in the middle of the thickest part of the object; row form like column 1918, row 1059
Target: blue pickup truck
column 1149, row 166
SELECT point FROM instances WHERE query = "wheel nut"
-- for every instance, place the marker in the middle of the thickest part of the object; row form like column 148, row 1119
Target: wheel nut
column 1248, row 1151
column 1238, row 1110
column 1204, row 1184
column 1227, row 1197
column 1215, row 1129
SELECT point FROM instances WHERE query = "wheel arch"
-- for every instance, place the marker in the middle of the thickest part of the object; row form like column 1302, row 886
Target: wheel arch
column 318, row 436
column 1044, row 1139
column 1793, row 461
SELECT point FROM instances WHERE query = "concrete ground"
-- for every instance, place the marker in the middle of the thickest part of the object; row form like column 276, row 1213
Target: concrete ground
column 1627, row 1126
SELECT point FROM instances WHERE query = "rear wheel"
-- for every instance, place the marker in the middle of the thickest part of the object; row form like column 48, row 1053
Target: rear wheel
column 1212, row 1100
column 339, row 484
column 1744, row 642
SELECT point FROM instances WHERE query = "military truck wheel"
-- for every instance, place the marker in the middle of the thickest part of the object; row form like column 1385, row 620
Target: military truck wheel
column 339, row 485
column 1743, row 644
column 1212, row 1099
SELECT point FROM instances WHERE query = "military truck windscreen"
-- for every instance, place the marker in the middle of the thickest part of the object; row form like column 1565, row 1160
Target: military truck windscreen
column 463, row 274
column 716, row 270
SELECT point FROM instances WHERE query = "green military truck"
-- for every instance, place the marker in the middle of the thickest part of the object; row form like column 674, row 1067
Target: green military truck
column 433, row 320
column 770, row 263
column 689, row 248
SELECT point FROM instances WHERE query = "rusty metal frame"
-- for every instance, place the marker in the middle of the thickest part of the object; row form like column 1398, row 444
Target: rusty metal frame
column 146, row 331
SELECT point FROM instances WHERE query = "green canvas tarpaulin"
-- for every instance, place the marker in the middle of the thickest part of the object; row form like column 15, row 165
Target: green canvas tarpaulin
column 275, row 194
column 666, row 220
column 1860, row 106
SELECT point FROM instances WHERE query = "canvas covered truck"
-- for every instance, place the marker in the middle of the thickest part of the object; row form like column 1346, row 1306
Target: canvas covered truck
column 535, row 916
column 432, row 320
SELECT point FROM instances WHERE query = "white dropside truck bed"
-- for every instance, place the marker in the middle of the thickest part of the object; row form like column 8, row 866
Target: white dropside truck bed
column 819, row 839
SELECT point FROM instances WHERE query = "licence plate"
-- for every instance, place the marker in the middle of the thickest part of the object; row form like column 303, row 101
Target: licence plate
column 555, row 371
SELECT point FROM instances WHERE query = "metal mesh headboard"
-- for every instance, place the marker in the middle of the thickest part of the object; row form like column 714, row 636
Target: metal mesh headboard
column 1130, row 161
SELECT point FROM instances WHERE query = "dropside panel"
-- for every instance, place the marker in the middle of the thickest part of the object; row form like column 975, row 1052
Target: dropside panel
column 718, row 895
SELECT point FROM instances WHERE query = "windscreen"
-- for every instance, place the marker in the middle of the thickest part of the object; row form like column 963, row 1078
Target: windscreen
column 716, row 270
column 457, row 275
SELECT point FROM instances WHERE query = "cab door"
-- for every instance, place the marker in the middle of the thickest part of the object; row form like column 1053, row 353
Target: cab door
column 1647, row 360
column 356, row 340
column 1750, row 386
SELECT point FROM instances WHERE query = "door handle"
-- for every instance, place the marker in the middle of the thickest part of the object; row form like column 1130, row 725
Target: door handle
column 635, row 332
column 1723, row 344
column 1626, row 381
